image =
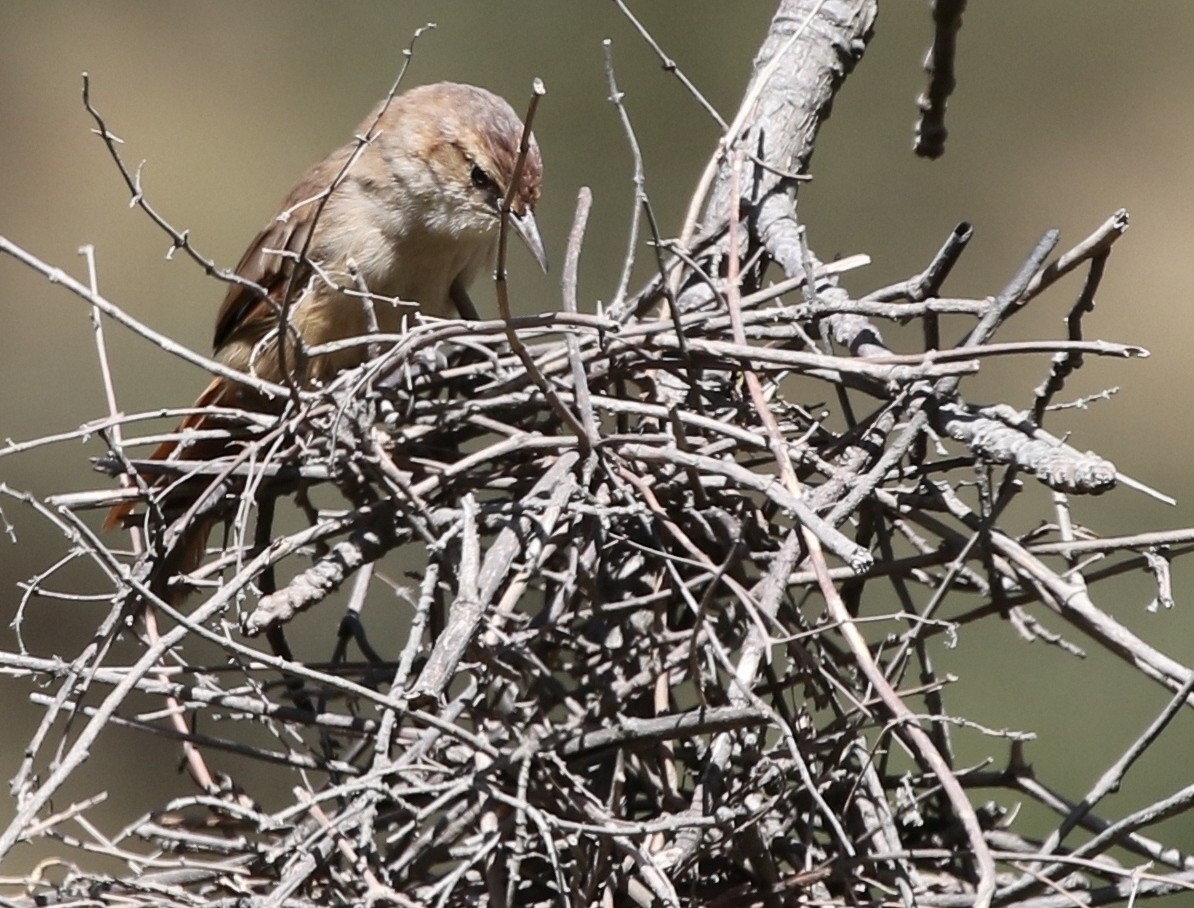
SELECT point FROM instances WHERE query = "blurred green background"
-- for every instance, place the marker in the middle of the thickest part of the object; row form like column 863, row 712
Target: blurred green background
column 1064, row 113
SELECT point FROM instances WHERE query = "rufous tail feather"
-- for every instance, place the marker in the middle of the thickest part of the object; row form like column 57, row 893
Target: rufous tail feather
column 187, row 553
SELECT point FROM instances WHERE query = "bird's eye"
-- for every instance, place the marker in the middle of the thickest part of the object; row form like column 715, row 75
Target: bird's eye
column 481, row 179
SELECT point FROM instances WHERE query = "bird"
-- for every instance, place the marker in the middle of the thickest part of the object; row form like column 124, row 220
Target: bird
column 410, row 211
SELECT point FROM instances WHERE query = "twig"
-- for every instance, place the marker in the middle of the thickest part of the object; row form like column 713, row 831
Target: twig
column 939, row 64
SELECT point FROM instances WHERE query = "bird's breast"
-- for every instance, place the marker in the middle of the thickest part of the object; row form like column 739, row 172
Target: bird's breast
column 407, row 255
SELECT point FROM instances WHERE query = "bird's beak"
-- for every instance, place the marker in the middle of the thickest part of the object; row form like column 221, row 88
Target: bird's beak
column 524, row 225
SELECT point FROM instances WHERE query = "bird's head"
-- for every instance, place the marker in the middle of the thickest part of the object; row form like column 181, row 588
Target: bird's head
column 454, row 147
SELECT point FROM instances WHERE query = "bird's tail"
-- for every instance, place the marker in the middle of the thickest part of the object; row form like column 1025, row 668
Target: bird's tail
column 186, row 554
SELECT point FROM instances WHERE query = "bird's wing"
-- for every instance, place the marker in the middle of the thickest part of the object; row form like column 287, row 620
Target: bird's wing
column 273, row 260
